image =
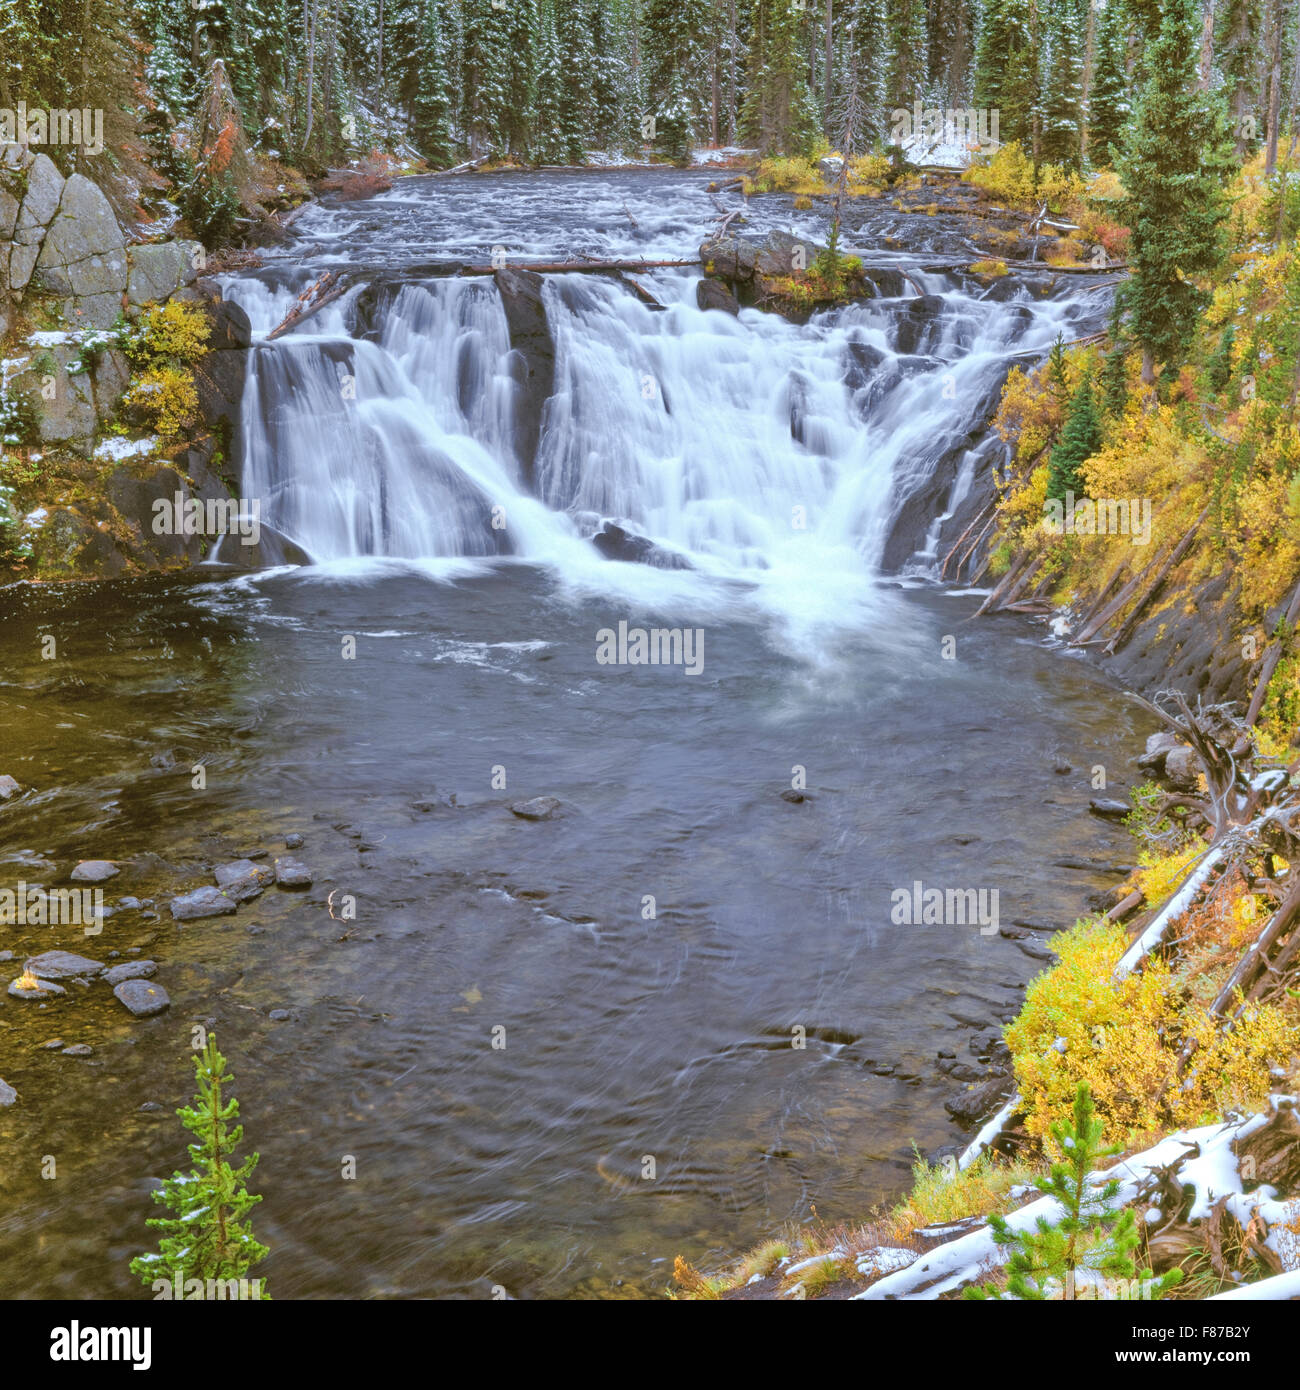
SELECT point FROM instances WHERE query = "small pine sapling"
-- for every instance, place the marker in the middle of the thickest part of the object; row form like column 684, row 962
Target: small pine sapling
column 1095, row 1236
column 209, row 1237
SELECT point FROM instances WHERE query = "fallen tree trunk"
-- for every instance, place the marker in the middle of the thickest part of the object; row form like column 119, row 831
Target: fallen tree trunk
column 312, row 300
column 1271, row 658
column 574, row 267
column 1129, row 623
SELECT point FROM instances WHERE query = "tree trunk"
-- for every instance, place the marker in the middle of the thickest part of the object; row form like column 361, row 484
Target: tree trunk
column 1148, row 367
column 1085, row 94
column 731, row 72
column 1274, row 84
column 1207, row 45
column 309, row 30
column 830, row 61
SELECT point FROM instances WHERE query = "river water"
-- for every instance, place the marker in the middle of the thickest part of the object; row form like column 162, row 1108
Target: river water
column 388, row 702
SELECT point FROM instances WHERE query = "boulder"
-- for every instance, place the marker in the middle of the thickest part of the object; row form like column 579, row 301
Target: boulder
column 1182, row 768
column 614, row 543
column 40, row 201
column 783, row 253
column 243, row 880
column 155, row 272
column 538, row 808
column 530, row 337
column 202, row 902
column 713, row 294
column 1109, row 810
column 9, row 787
column 230, row 327
column 110, row 375
column 142, row 998
column 130, row 970
column 915, row 322
column 219, row 379
column 94, row 871
column 69, row 545
column 8, row 214
column 63, row 965
column 68, row 415
column 84, row 251
column 292, row 873
column 42, row 989
column 1159, row 746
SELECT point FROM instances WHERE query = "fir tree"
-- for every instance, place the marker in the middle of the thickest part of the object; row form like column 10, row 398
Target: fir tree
column 1080, row 439
column 1062, row 112
column 1114, row 382
column 778, row 113
column 1108, row 101
column 209, row 1237
column 1006, row 69
column 905, row 81
column 858, row 98
column 519, row 115
column 577, row 64
column 675, row 71
column 1173, row 165
column 1095, row 1235
column 484, row 69
column 548, row 140
column 431, row 108
column 1238, row 40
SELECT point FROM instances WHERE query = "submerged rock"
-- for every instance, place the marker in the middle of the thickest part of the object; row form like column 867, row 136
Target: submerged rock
column 292, row 873
column 142, row 998
column 62, row 965
column 8, row 788
column 202, row 902
column 78, row 1050
column 43, row 989
column 1109, row 810
column 243, row 880
column 94, row 871
column 293, row 842
column 7, row 1093
column 131, row 970
column 538, row 808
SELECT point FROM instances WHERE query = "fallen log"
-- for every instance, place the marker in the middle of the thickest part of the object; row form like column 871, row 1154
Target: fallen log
column 467, row 167
column 1271, row 658
column 574, row 267
column 1129, row 623
column 309, row 303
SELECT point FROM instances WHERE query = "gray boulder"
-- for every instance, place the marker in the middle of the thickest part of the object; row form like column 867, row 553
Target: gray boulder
column 202, row 902
column 94, row 871
column 130, row 970
column 8, row 787
column 1182, row 768
column 292, row 873
column 142, row 998
column 69, row 417
column 63, row 965
column 242, row 879
column 156, row 272
column 538, row 808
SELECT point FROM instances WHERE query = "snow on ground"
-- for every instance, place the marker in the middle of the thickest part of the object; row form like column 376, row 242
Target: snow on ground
column 1207, row 1164
column 117, row 448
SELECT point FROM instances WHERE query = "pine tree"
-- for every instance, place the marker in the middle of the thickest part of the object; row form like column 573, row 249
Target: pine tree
column 431, row 107
column 1114, row 383
column 1062, row 93
column 778, row 114
column 1006, row 69
column 1238, row 41
column 858, row 99
column 905, row 80
column 1080, row 439
column 209, row 1237
column 1173, row 166
column 484, row 67
column 1108, row 102
column 577, row 64
column 1095, row 1235
column 548, row 139
column 676, row 71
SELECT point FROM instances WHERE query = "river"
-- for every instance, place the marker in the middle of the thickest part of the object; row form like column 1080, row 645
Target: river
column 388, row 703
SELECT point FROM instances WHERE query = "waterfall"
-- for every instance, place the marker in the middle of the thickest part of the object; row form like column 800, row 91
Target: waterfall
column 742, row 443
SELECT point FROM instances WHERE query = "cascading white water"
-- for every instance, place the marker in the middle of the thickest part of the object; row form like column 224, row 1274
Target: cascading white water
column 748, row 444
